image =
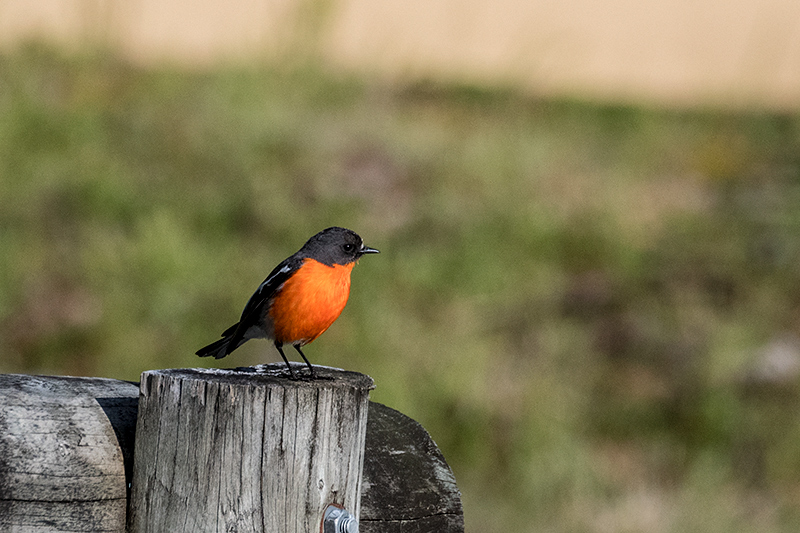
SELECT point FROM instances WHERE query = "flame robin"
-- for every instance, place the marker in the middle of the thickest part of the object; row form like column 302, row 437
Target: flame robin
column 300, row 298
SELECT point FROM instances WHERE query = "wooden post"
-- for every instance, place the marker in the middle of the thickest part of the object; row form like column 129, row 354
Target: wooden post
column 65, row 445
column 408, row 486
column 247, row 450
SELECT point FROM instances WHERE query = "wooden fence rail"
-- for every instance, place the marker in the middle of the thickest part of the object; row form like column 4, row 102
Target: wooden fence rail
column 238, row 450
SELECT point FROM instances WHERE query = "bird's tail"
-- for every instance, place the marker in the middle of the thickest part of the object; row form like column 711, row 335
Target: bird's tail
column 218, row 349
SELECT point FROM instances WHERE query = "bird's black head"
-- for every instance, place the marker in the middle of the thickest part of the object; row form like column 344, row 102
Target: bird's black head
column 335, row 246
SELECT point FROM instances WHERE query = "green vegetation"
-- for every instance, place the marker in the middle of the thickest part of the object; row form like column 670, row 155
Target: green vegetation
column 594, row 310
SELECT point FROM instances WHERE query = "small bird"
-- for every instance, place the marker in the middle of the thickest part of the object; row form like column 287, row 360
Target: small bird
column 300, row 298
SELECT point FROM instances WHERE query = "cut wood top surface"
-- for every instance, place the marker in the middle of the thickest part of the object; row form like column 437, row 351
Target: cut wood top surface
column 274, row 373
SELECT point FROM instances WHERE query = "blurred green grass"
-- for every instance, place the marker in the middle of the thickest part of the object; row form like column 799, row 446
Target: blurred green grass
column 594, row 309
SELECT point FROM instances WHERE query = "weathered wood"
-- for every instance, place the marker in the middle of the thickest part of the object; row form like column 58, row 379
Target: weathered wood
column 62, row 465
column 408, row 486
column 247, row 449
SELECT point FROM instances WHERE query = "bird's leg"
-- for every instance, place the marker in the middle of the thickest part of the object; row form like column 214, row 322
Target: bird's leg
column 279, row 346
column 310, row 368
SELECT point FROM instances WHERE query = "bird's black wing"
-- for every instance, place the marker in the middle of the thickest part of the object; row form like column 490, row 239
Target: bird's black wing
column 253, row 313
column 269, row 287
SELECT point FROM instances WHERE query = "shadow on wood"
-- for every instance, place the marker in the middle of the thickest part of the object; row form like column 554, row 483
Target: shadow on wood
column 121, row 412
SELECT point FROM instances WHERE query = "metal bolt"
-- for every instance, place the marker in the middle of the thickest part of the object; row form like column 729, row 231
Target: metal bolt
column 337, row 520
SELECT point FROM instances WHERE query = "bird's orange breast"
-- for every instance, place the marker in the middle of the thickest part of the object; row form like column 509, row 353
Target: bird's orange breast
column 310, row 301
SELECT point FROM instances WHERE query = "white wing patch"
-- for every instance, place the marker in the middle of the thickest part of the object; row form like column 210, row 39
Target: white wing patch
column 267, row 281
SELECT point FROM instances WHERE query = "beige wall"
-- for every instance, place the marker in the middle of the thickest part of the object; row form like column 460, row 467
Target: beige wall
column 737, row 52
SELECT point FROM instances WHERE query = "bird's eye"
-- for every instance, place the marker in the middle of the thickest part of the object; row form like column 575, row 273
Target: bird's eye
column 348, row 248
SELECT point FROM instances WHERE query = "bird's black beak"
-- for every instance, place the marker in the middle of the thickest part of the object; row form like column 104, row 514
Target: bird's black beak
column 368, row 250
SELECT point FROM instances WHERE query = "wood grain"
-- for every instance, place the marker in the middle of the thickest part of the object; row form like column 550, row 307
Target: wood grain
column 57, row 474
column 247, row 450
column 408, row 486
column 62, row 466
